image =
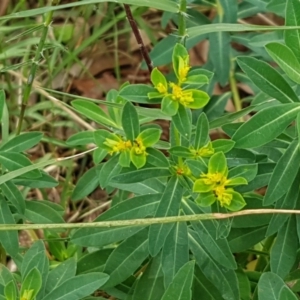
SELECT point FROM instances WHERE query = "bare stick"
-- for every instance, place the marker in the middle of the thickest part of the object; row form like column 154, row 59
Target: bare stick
column 138, row 37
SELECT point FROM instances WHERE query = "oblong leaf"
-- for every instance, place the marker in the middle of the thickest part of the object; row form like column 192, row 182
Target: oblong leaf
column 78, row 287
column 15, row 161
column 22, row 142
column 269, row 286
column 141, row 175
column 93, row 112
column 175, row 253
column 130, row 121
column 180, row 287
column 126, row 258
column 266, row 125
column 8, row 239
column 168, row 206
column 224, row 280
column 268, row 79
column 284, row 250
column 86, row 184
column 283, row 174
column 286, row 60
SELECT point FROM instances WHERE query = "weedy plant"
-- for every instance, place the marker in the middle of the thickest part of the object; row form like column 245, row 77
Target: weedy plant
column 187, row 220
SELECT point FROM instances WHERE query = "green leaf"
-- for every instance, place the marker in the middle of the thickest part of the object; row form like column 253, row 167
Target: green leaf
column 246, row 171
column 220, row 55
column 45, row 181
column 8, row 239
column 221, row 145
column 151, row 283
column 217, row 164
column 81, row 138
column 216, row 106
column 180, row 287
column 202, row 130
column 179, row 53
column 181, row 151
column 11, row 291
column 241, row 239
column 150, row 136
column 292, row 37
column 133, row 208
column 93, row 262
column 149, row 186
column 284, row 250
column 202, row 286
column 207, row 231
column 60, row 274
column 289, row 201
column 141, row 175
column 14, row 161
column 268, row 79
column 22, row 142
column 31, row 284
column 110, row 169
column 138, row 93
column 254, row 201
column 168, row 206
column 124, row 159
column 266, row 125
column 157, row 78
column 14, row 196
column 237, row 202
column 286, row 294
column 286, row 60
column 127, row 258
column 269, row 286
column 86, row 184
column 223, row 279
column 43, row 212
column 93, row 112
column 182, row 121
column 36, row 257
column 156, row 158
column 130, row 121
column 175, row 251
column 244, row 284
column 283, row 174
column 78, row 287
column 169, row 106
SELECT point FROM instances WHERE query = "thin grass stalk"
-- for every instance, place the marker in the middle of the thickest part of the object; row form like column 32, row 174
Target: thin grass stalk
column 34, row 66
column 149, row 221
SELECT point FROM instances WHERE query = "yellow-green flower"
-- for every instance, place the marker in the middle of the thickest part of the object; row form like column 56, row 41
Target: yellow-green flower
column 213, row 185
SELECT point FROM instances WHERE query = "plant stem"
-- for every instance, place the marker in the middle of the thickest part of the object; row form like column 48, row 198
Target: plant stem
column 148, row 221
column 234, row 90
column 182, row 22
column 138, row 37
column 34, row 65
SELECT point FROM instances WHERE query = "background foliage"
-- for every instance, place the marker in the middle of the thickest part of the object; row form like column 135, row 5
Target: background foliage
column 212, row 134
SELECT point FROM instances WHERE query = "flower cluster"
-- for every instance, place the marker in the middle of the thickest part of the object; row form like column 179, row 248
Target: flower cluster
column 130, row 151
column 215, row 186
column 175, row 94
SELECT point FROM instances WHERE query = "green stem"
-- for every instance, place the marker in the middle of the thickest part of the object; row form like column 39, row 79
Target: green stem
column 262, row 261
column 34, row 65
column 182, row 22
column 234, row 90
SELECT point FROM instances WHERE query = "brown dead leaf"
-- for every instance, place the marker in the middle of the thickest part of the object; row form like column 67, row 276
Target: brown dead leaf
column 95, row 88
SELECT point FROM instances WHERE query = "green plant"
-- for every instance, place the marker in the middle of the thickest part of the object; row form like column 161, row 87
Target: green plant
column 186, row 220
